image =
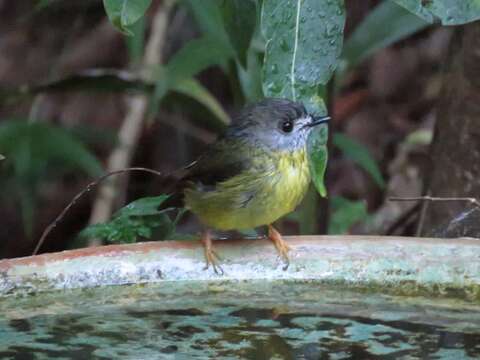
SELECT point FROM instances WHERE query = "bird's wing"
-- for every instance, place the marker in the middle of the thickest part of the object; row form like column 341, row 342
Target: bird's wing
column 222, row 161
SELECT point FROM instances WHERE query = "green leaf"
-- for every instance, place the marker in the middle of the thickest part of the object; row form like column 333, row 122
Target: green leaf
column 167, row 229
column 306, row 214
column 42, row 4
column 135, row 43
column 197, row 91
column 160, row 75
column 317, row 153
column 98, row 80
column 250, row 78
column 421, row 137
column 360, row 155
column 124, row 13
column 186, row 63
column 196, row 56
column 345, row 214
column 41, row 144
column 240, row 20
column 123, row 81
column 30, row 148
column 208, row 16
column 448, row 12
column 143, row 207
column 384, row 25
column 101, row 80
column 138, row 219
column 304, row 40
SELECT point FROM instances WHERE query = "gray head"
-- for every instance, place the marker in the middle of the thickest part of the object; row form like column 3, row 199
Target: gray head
column 278, row 124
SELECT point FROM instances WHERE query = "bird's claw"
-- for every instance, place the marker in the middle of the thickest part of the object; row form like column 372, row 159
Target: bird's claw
column 211, row 256
column 213, row 259
column 281, row 246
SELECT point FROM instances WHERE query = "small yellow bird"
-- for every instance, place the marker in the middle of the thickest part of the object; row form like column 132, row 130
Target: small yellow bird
column 254, row 174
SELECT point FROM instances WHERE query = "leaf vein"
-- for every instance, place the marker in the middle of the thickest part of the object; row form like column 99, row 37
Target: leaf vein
column 292, row 70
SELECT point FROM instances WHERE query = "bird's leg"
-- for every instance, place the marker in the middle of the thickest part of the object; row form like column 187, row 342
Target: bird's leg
column 280, row 244
column 211, row 256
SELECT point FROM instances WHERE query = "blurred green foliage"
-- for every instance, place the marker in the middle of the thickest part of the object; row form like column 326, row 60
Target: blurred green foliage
column 125, row 13
column 137, row 220
column 239, row 25
column 281, row 48
column 345, row 214
column 359, row 154
column 386, row 24
column 34, row 151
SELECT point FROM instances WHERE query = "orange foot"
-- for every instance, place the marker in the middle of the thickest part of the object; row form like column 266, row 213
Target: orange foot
column 211, row 256
column 280, row 244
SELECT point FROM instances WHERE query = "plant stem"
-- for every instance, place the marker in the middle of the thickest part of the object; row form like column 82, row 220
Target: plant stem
column 130, row 130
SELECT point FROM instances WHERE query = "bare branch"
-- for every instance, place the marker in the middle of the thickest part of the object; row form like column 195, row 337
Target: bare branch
column 87, row 188
column 471, row 200
column 130, row 130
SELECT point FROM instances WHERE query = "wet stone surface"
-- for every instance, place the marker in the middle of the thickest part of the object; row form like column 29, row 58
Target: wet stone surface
column 226, row 321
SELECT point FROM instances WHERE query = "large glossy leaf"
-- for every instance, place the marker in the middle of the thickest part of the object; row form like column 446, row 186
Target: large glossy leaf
column 318, row 156
column 124, row 13
column 448, row 12
column 239, row 17
column 360, row 155
column 303, row 42
column 386, row 24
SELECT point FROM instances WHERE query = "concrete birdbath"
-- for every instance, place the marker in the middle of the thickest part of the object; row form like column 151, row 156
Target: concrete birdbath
column 342, row 297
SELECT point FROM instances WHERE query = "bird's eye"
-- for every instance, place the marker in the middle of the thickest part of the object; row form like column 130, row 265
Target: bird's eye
column 287, row 126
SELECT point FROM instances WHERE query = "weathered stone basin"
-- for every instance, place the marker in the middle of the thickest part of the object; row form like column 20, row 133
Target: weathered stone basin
column 345, row 297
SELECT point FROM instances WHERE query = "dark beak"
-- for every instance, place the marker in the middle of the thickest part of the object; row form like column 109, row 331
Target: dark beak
column 317, row 120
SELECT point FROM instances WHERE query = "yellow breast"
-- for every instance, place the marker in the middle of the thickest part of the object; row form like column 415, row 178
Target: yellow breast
column 254, row 198
column 293, row 180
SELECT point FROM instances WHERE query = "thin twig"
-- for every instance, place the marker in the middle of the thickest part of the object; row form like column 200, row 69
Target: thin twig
column 83, row 192
column 471, row 200
column 403, row 220
column 423, row 215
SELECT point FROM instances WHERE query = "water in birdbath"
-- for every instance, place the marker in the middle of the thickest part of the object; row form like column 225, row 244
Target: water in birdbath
column 228, row 320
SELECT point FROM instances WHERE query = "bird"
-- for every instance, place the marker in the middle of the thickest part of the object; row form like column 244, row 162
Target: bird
column 252, row 175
